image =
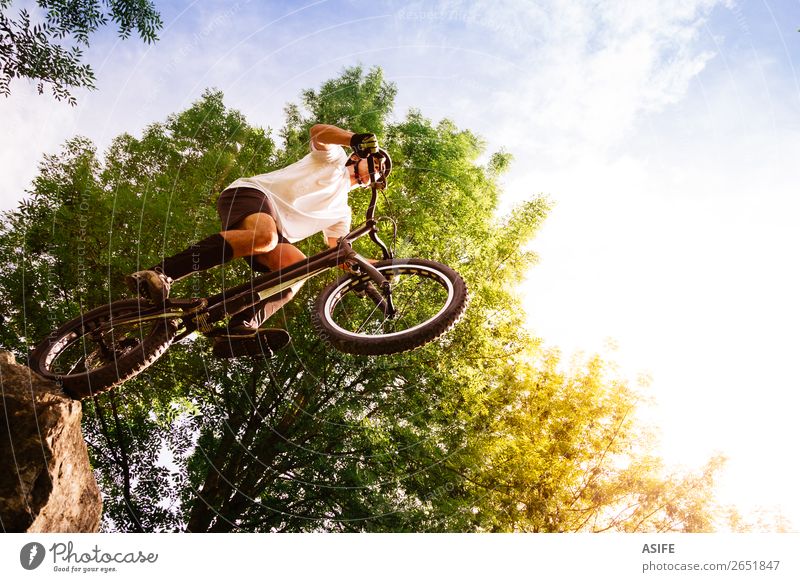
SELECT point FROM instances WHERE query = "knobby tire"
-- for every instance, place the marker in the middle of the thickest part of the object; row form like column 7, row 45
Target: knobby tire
column 453, row 296
column 143, row 350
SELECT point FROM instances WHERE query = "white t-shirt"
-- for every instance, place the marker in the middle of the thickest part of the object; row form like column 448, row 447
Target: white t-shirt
column 308, row 196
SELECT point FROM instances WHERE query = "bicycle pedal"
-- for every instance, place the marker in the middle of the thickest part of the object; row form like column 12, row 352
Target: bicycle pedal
column 266, row 343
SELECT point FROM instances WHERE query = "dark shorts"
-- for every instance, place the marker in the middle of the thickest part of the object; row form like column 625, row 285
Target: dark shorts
column 234, row 205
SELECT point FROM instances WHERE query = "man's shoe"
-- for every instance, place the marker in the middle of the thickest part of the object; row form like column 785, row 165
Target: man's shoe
column 153, row 285
column 246, row 341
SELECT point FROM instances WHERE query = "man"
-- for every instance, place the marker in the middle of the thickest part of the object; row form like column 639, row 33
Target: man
column 261, row 217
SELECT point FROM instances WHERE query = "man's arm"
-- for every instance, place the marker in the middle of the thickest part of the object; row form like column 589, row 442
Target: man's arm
column 324, row 137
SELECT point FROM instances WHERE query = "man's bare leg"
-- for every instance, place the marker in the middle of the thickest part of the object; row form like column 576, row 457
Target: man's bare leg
column 257, row 236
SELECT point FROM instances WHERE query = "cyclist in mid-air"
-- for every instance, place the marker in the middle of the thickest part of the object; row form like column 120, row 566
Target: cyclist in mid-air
column 261, row 217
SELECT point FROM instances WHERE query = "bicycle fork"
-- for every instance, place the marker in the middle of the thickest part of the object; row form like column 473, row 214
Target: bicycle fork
column 382, row 299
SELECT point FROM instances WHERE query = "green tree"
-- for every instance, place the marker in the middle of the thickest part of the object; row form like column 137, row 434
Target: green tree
column 482, row 430
column 37, row 51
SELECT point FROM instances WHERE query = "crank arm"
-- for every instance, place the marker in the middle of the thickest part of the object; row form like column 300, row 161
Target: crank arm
column 172, row 309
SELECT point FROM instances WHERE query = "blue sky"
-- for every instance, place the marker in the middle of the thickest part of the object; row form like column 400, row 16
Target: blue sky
column 664, row 132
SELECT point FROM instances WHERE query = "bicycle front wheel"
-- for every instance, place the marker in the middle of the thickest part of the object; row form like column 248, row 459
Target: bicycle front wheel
column 91, row 354
column 429, row 299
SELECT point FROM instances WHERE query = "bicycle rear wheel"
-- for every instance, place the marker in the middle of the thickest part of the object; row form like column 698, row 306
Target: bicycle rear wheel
column 429, row 299
column 91, row 354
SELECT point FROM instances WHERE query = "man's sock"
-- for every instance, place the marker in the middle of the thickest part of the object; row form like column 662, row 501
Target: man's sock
column 209, row 252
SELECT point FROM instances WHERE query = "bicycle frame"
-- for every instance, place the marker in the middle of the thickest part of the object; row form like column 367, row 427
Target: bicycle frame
column 231, row 301
column 202, row 314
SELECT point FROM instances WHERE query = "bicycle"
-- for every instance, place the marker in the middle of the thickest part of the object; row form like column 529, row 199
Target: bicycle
column 388, row 307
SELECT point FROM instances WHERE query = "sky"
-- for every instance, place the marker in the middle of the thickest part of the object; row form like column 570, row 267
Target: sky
column 663, row 132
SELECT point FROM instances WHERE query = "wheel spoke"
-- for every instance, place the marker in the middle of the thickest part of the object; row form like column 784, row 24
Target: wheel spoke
column 367, row 319
column 80, row 362
column 416, row 299
column 96, row 349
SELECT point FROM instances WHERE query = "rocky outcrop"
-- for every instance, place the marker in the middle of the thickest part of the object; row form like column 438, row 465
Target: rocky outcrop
column 46, row 482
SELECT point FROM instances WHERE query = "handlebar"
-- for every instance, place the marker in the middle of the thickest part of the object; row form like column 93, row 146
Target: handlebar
column 375, row 186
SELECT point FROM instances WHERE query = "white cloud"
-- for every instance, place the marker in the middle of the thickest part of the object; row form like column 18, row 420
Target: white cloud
column 586, row 90
column 33, row 125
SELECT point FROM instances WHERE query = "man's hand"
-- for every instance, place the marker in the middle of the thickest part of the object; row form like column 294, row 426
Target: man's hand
column 364, row 143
